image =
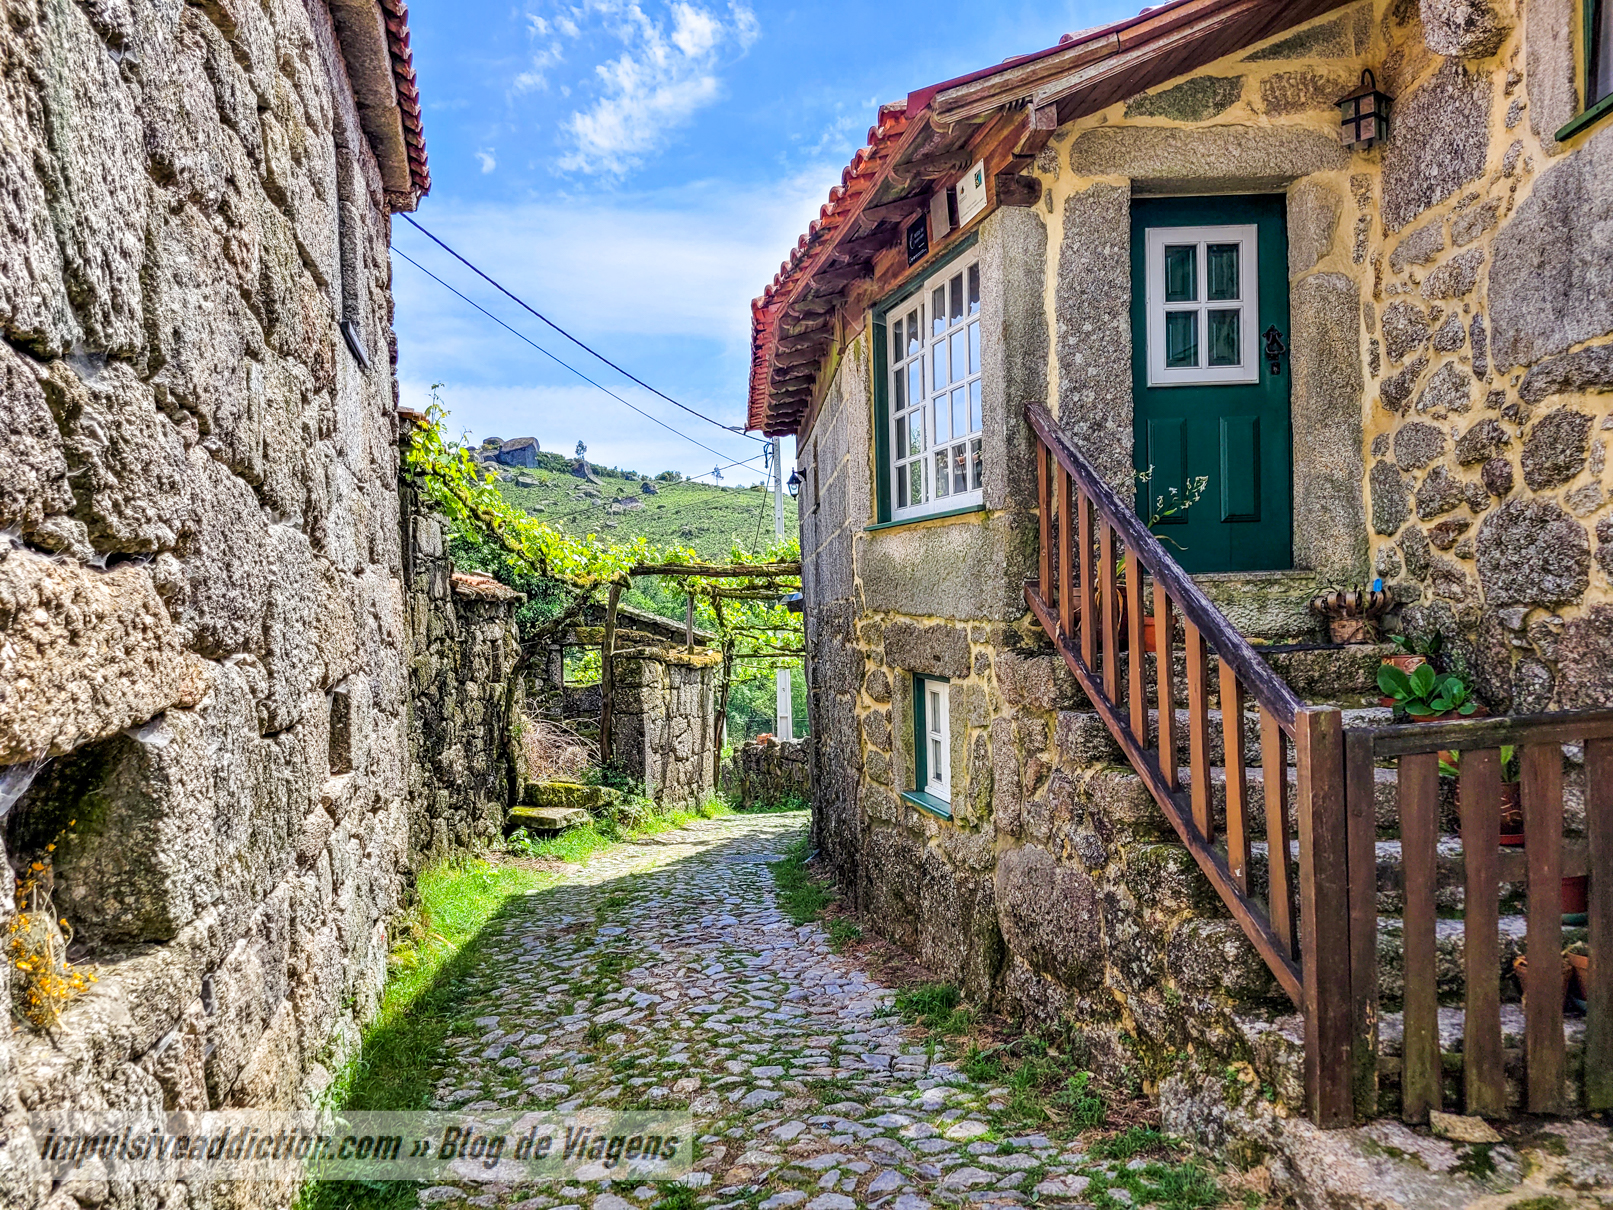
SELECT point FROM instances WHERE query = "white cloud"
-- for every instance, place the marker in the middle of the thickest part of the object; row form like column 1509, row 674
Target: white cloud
column 666, row 73
column 487, row 161
column 660, row 282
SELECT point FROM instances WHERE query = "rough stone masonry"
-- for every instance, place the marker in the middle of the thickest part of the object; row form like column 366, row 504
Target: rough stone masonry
column 202, row 623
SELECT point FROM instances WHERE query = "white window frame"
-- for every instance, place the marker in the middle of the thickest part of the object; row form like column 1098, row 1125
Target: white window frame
column 1247, row 304
column 956, row 426
column 937, row 737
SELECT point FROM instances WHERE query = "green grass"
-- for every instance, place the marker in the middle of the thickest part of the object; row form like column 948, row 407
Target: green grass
column 1047, row 1088
column 428, row 981
column 581, row 843
column 935, row 1007
column 801, row 897
column 1128, row 1143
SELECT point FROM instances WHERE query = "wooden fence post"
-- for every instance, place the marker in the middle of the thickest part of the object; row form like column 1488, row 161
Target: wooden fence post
column 1360, row 790
column 1324, row 896
column 607, row 679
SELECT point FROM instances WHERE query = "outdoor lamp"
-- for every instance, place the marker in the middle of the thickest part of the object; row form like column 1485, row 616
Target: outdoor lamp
column 793, row 484
column 1364, row 114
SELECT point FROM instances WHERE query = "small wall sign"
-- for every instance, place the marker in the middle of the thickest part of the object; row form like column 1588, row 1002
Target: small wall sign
column 918, row 239
column 972, row 193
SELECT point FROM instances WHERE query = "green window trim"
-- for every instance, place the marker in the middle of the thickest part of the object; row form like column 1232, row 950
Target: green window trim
column 918, row 796
column 1590, row 117
column 1591, row 14
column 951, row 512
column 880, row 337
column 928, row 804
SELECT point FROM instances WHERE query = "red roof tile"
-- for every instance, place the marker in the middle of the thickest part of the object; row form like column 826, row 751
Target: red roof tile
column 1130, row 56
column 414, row 137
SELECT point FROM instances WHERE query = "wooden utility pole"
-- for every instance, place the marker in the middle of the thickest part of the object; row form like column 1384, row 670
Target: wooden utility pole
column 784, row 707
column 607, row 679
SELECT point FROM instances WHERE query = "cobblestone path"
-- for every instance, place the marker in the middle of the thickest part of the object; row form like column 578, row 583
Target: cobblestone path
column 806, row 1092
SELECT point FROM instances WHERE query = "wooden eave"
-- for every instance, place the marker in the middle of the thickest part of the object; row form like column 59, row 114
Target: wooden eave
column 1002, row 115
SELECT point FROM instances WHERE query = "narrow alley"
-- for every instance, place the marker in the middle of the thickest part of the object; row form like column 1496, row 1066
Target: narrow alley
column 665, row 973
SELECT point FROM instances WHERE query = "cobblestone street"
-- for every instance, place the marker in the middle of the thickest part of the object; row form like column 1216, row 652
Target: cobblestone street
column 662, row 973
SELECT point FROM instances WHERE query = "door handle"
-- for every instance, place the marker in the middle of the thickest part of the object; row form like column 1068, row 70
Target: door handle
column 1275, row 348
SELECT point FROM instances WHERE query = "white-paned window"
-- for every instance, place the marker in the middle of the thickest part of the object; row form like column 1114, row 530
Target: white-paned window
column 934, row 395
column 1203, row 305
column 935, row 735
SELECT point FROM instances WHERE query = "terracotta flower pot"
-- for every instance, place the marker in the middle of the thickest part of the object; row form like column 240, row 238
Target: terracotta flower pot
column 1406, row 663
column 1511, row 815
column 1520, row 968
column 1122, row 629
column 1576, row 895
column 1579, row 968
column 1511, row 831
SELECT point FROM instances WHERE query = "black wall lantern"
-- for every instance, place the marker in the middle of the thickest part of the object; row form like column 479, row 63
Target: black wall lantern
column 1364, row 114
column 793, row 483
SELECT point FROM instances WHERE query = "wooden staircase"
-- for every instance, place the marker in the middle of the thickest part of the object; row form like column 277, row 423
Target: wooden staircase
column 1393, row 937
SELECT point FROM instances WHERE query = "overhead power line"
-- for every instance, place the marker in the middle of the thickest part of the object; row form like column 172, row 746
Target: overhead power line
column 580, row 344
column 566, row 365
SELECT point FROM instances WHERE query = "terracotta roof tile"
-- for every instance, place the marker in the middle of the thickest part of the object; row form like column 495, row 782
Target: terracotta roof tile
column 414, row 137
column 1140, row 52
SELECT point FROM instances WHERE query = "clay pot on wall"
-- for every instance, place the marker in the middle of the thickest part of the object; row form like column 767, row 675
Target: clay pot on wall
column 1122, row 630
column 1352, row 614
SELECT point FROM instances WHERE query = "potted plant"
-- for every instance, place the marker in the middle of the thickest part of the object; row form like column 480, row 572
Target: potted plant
column 1423, row 695
column 1172, row 503
column 1578, row 957
column 1352, row 613
column 1511, row 831
column 1412, row 652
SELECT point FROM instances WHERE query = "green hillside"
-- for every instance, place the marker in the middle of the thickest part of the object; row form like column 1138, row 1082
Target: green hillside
column 708, row 517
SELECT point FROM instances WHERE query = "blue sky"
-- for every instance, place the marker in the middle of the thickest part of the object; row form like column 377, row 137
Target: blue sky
column 637, row 171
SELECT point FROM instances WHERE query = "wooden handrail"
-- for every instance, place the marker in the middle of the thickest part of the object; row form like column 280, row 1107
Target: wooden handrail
column 1303, row 931
column 1269, row 689
column 1460, row 734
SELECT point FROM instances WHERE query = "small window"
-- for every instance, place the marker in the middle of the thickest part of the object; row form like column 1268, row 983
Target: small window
column 1598, row 52
column 1596, row 46
column 934, row 392
column 1203, row 305
column 932, row 738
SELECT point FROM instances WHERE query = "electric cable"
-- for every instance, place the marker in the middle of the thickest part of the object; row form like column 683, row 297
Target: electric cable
column 523, row 336
column 587, row 349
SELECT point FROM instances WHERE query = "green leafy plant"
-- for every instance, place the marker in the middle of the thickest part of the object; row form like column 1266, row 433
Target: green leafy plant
column 1174, row 502
column 1426, row 646
column 1450, row 764
column 1424, row 693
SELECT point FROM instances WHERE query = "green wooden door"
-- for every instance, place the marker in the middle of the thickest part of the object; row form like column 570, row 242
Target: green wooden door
column 1209, row 281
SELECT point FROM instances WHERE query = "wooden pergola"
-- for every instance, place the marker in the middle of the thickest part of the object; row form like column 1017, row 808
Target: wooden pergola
column 695, row 571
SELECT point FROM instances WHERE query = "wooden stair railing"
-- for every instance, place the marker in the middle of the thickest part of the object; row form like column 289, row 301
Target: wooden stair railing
column 1307, row 944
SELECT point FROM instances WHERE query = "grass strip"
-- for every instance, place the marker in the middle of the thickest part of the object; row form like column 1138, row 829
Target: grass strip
column 428, row 974
column 431, row 974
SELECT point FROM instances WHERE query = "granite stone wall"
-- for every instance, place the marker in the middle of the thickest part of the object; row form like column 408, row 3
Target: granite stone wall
column 203, row 632
column 760, row 774
column 661, row 729
column 466, row 693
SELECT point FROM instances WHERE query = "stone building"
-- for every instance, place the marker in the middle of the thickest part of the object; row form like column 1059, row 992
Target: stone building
column 203, row 624
column 1404, row 379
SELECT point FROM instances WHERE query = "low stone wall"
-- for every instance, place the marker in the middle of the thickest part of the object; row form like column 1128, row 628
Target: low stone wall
column 760, row 774
column 661, row 733
column 464, row 689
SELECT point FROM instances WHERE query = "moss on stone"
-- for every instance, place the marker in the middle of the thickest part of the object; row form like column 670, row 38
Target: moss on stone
column 568, row 794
